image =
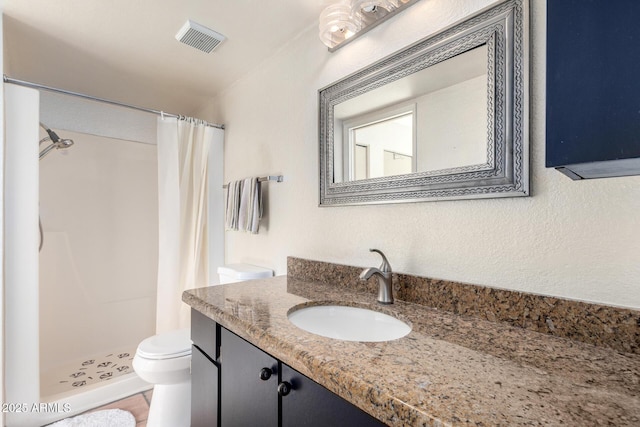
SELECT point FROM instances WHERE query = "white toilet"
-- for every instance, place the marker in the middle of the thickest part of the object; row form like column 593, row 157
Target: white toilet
column 165, row 361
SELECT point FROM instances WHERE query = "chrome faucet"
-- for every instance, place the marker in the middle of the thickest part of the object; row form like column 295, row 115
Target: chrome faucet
column 384, row 275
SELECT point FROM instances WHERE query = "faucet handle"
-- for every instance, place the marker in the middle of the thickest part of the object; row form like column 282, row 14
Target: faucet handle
column 385, row 267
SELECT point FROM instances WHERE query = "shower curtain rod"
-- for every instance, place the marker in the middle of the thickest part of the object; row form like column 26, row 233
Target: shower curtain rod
column 93, row 98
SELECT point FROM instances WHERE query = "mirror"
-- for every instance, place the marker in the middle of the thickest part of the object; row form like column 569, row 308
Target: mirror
column 445, row 118
column 413, row 124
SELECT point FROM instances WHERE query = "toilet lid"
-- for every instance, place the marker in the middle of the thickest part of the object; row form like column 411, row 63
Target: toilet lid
column 166, row 345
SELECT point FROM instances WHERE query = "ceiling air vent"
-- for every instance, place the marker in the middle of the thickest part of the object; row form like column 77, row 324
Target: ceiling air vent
column 199, row 36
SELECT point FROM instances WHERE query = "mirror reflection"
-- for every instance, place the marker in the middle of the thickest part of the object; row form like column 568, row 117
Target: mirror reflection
column 432, row 121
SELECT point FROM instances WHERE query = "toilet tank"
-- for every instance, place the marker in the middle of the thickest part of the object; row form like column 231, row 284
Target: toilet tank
column 233, row 273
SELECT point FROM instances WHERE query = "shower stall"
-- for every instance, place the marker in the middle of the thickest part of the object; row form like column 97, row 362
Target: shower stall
column 81, row 288
column 98, row 259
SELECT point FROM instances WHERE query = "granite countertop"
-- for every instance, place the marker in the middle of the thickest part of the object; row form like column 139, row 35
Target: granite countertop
column 449, row 370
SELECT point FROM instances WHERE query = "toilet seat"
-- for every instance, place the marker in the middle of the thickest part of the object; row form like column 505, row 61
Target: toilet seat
column 168, row 345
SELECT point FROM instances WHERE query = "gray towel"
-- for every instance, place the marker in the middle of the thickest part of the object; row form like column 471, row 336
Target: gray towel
column 250, row 210
column 234, row 190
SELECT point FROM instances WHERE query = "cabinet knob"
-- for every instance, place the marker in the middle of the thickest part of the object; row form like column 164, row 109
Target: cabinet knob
column 284, row 388
column 265, row 374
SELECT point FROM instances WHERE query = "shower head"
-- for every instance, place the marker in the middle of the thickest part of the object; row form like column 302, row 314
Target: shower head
column 56, row 142
column 64, row 143
column 52, row 135
column 60, row 145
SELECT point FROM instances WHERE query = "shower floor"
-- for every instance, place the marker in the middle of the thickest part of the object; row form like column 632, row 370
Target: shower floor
column 86, row 372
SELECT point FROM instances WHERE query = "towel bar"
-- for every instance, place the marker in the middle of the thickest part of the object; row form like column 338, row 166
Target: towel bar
column 277, row 178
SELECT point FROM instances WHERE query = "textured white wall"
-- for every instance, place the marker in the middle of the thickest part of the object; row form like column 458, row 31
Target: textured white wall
column 572, row 239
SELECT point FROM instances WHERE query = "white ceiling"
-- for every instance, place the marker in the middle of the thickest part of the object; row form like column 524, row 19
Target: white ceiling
column 125, row 50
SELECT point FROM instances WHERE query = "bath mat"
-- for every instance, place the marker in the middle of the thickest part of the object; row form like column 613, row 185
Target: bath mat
column 106, row 418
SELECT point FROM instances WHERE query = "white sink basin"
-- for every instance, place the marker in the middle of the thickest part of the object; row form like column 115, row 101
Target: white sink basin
column 348, row 323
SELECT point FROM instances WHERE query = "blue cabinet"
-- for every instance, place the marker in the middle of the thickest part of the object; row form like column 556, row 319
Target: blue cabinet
column 593, row 87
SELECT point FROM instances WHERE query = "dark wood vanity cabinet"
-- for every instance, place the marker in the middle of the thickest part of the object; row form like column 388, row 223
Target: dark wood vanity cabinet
column 205, row 368
column 255, row 389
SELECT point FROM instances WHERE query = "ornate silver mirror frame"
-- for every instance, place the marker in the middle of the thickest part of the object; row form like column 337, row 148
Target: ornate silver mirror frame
column 503, row 28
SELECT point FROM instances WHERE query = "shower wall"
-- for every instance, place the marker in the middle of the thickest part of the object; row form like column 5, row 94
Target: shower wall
column 98, row 264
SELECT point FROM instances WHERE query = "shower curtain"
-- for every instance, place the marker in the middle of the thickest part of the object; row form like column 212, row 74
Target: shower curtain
column 183, row 148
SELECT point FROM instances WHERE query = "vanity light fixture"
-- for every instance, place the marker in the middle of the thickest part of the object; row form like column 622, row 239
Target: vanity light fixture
column 369, row 11
column 346, row 19
column 337, row 23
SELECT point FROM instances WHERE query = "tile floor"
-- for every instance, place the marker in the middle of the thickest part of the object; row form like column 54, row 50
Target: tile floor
column 138, row 405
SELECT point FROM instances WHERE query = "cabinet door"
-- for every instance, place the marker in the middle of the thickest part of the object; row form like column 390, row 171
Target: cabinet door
column 204, row 390
column 247, row 397
column 592, row 81
column 309, row 405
